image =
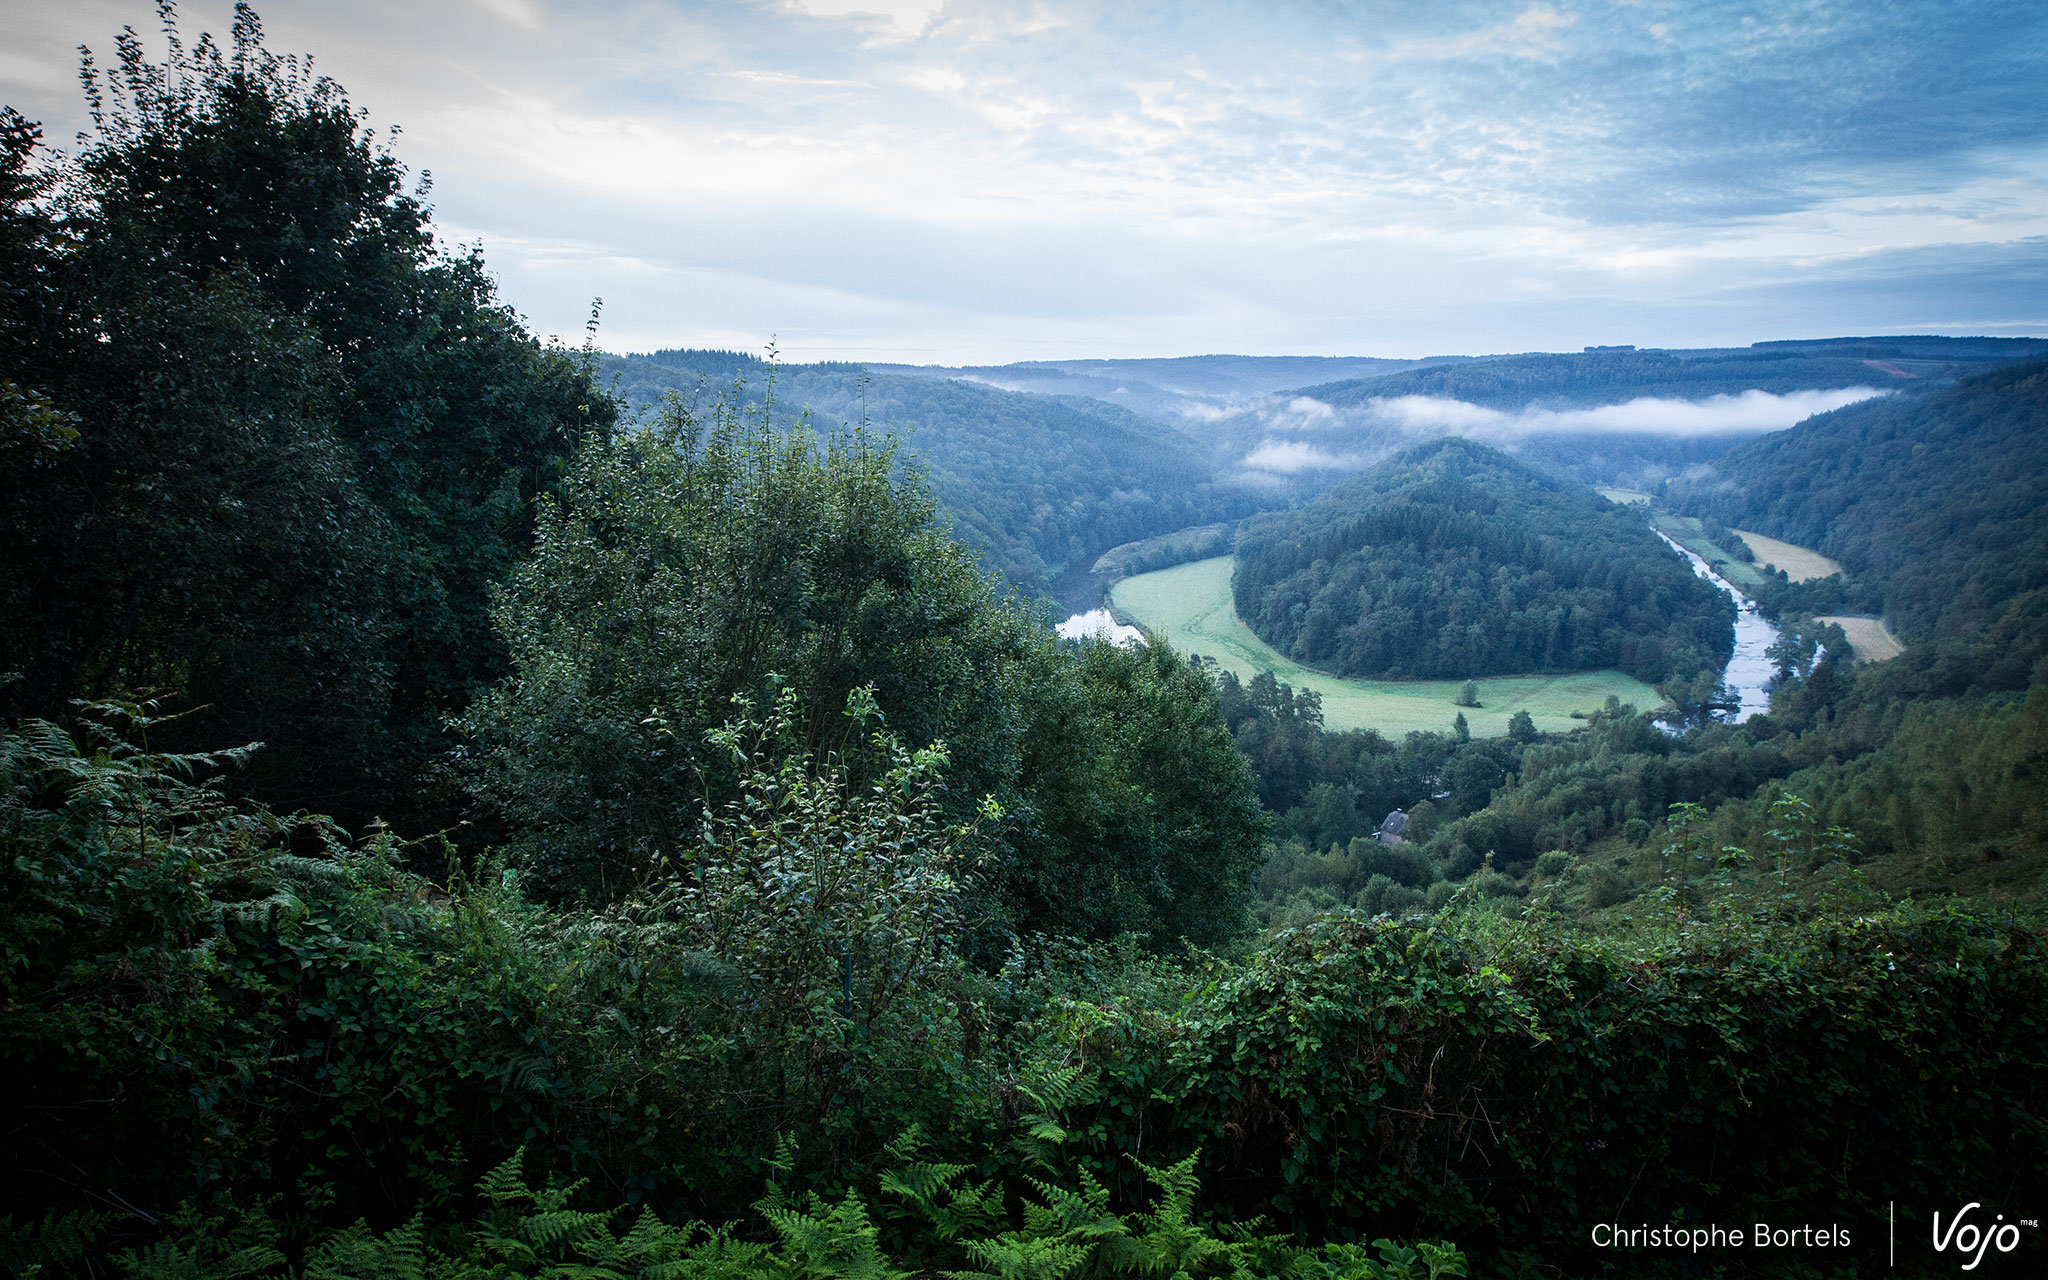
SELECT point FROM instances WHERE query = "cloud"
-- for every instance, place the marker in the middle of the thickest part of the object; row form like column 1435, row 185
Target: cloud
column 1436, row 413
column 1748, row 413
column 520, row 13
column 987, row 180
column 1310, row 409
column 897, row 19
column 1100, row 624
column 1287, row 457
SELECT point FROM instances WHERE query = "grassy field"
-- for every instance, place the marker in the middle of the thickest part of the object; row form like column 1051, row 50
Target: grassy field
column 1872, row 640
column 1687, row 532
column 1799, row 564
column 1626, row 497
column 1190, row 606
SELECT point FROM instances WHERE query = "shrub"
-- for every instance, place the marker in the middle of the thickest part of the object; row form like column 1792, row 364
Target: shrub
column 1382, row 895
column 1732, row 1067
column 1488, row 883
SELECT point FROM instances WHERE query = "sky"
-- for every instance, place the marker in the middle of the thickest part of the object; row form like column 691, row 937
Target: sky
column 974, row 183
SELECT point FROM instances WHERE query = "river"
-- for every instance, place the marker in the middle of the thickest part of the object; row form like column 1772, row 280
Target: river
column 1750, row 669
column 1748, row 675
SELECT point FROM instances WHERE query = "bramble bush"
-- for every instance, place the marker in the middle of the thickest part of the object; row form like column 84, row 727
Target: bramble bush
column 1507, row 1084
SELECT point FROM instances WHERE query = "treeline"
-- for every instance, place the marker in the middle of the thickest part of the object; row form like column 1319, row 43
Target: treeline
column 1147, row 555
column 1936, row 498
column 1452, row 560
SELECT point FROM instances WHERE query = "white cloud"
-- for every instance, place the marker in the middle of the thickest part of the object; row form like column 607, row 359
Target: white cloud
column 1750, row 412
column 901, row 19
column 1003, row 179
column 1286, row 457
column 1435, row 413
column 1532, row 33
column 1310, row 409
column 520, row 13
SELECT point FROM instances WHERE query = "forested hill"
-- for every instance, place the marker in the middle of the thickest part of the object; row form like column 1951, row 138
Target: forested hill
column 1579, row 380
column 1941, row 497
column 1177, row 390
column 1452, row 559
column 1040, row 485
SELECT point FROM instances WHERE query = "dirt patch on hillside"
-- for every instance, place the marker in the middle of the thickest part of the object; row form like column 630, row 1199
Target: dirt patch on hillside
column 1872, row 640
column 1798, row 563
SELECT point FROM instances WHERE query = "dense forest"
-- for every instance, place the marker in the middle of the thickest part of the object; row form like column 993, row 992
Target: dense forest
column 1453, row 560
column 458, row 824
column 1937, row 496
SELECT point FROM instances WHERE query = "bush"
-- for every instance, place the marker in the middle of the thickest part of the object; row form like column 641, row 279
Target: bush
column 1607, row 887
column 1383, row 896
column 1403, row 863
column 1488, row 883
column 703, row 560
column 1735, row 1070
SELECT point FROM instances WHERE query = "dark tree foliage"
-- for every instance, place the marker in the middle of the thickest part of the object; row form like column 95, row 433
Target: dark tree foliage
column 1938, row 498
column 1326, row 788
column 706, row 560
column 307, row 440
column 1584, row 787
column 1453, row 560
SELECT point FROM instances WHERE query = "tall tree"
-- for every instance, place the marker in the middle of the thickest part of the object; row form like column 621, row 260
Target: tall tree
column 309, row 439
column 707, row 560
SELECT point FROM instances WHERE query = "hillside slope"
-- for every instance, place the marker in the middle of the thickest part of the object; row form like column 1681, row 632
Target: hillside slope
column 1454, row 560
column 1940, row 499
column 1040, row 485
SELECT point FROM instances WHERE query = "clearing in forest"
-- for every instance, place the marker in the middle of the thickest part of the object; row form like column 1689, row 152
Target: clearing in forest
column 1190, row 606
column 1872, row 640
column 1799, row 564
column 1688, row 532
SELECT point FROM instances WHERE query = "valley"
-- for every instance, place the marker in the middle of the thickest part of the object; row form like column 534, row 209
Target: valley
column 476, row 806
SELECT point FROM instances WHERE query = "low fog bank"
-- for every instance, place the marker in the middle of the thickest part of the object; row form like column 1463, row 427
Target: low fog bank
column 1640, row 441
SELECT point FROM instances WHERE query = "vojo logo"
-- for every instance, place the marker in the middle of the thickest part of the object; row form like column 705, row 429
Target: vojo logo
column 1972, row 1240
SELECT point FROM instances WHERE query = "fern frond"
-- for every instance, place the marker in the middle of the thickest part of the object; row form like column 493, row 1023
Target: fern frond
column 60, row 1242
column 506, row 1184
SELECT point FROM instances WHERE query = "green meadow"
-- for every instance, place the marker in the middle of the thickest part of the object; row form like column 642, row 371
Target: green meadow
column 1688, row 532
column 1190, row 605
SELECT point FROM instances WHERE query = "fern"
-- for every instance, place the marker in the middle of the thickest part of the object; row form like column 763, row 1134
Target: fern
column 56, row 1246
column 831, row 1242
column 205, row 1247
column 953, row 1212
column 355, row 1254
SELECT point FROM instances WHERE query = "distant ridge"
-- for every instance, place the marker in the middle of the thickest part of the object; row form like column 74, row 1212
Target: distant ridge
column 1609, row 375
